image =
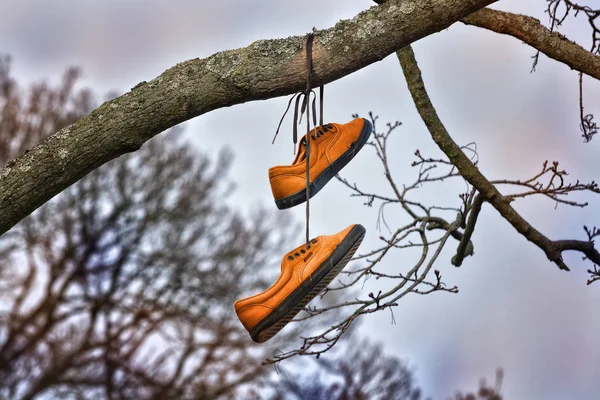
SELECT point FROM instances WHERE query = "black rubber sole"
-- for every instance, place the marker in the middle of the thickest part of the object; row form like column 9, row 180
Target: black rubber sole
column 310, row 288
column 329, row 172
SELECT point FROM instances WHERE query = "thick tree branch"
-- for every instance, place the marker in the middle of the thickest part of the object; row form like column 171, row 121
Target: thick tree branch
column 265, row 69
column 532, row 32
column 470, row 172
column 535, row 34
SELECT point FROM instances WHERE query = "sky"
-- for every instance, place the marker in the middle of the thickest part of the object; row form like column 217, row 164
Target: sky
column 515, row 309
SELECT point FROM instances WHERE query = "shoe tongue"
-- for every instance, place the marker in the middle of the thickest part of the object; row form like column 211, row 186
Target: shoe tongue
column 301, row 155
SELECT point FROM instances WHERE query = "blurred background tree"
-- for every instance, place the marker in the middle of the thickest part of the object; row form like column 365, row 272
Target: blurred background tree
column 122, row 286
column 360, row 370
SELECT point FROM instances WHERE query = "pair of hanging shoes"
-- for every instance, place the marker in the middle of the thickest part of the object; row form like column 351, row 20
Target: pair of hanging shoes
column 309, row 268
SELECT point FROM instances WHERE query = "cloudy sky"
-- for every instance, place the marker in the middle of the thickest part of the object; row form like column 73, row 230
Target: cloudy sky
column 515, row 309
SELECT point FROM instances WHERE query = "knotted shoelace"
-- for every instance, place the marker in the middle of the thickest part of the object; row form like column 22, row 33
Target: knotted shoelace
column 306, row 106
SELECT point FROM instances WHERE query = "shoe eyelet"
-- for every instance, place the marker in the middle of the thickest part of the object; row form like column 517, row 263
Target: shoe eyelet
column 297, row 254
column 302, row 251
column 291, row 258
column 313, row 241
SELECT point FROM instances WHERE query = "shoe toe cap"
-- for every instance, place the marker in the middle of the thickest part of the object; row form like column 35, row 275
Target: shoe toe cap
column 251, row 314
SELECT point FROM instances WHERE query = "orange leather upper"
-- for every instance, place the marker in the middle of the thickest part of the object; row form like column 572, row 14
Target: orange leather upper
column 296, row 267
column 287, row 180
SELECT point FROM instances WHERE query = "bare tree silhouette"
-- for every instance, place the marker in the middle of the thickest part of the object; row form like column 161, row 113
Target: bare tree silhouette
column 485, row 391
column 360, row 370
column 357, row 370
column 122, row 286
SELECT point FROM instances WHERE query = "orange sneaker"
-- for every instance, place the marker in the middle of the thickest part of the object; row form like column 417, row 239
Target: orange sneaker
column 304, row 274
column 331, row 148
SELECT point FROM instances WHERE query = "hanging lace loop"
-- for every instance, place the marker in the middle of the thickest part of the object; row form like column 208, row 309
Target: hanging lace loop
column 303, row 104
column 299, row 110
column 304, row 96
column 283, row 117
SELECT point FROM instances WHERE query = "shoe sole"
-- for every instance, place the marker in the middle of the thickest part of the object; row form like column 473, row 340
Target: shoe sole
column 310, row 288
column 329, row 172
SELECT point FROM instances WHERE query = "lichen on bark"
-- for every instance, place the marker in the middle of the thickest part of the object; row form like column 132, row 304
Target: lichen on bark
column 265, row 69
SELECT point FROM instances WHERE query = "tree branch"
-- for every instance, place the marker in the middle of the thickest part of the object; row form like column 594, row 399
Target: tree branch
column 464, row 249
column 470, row 172
column 263, row 70
column 532, row 32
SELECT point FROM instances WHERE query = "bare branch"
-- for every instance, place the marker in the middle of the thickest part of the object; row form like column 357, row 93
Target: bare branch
column 555, row 188
column 463, row 246
column 552, row 249
column 587, row 124
column 408, row 283
column 551, row 43
column 558, row 16
column 532, row 32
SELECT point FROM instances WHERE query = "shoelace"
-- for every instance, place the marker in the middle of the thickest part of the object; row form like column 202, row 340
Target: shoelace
column 320, row 132
column 305, row 96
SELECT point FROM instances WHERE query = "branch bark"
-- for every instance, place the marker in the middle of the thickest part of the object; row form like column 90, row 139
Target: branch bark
column 265, row 69
column 532, row 32
column 471, row 173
